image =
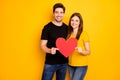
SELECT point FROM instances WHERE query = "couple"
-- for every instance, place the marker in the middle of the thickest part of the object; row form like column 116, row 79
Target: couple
column 55, row 61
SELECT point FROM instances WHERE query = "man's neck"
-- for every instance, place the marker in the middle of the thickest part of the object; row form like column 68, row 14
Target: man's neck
column 57, row 23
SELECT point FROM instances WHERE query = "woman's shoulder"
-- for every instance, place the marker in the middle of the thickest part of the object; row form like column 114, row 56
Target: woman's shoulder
column 84, row 33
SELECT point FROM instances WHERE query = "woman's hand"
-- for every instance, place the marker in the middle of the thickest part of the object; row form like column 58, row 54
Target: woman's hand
column 79, row 49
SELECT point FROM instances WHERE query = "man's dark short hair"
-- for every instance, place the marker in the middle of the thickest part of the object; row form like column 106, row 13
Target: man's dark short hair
column 59, row 5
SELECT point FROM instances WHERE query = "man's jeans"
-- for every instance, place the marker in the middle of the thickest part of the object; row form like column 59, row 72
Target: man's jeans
column 77, row 73
column 49, row 71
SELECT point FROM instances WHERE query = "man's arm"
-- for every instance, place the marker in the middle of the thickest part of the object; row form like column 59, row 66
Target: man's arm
column 46, row 49
column 44, row 46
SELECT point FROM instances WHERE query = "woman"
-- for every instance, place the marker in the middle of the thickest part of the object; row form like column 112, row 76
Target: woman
column 78, row 59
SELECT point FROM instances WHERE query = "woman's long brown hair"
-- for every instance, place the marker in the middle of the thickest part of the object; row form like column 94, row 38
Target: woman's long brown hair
column 80, row 29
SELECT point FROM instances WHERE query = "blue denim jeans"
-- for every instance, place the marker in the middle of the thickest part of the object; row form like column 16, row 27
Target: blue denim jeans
column 77, row 73
column 49, row 71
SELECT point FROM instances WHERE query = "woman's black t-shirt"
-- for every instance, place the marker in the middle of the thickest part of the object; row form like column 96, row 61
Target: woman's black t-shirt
column 51, row 32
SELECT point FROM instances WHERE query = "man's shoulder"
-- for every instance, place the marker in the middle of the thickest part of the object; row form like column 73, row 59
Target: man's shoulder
column 48, row 24
column 65, row 24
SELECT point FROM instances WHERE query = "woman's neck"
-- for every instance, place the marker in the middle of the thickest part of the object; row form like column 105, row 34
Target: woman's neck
column 75, row 31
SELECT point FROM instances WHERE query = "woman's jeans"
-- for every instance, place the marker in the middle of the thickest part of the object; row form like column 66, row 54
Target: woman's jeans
column 77, row 73
column 49, row 71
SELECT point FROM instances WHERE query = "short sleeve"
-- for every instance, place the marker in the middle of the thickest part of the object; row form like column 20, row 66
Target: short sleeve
column 44, row 35
column 85, row 37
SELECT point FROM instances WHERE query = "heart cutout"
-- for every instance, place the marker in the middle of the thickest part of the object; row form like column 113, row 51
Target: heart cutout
column 66, row 47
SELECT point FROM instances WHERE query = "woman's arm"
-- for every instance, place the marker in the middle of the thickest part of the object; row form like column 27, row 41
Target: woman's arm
column 87, row 49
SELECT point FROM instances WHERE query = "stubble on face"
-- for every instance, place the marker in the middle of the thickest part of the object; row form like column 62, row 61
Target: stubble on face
column 58, row 14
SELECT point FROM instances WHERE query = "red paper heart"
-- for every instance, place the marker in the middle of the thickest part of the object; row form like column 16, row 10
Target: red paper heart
column 66, row 47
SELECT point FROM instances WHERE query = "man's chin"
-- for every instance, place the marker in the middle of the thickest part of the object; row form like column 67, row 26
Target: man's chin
column 58, row 20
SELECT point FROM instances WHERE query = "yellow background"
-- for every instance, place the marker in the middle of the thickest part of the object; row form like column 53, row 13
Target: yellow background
column 21, row 22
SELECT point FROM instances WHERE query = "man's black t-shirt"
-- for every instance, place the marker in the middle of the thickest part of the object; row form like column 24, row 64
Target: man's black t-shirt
column 51, row 32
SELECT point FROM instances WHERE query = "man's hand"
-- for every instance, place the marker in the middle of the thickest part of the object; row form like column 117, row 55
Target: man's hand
column 53, row 50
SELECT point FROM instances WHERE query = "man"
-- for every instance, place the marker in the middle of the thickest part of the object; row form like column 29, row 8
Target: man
column 55, row 61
